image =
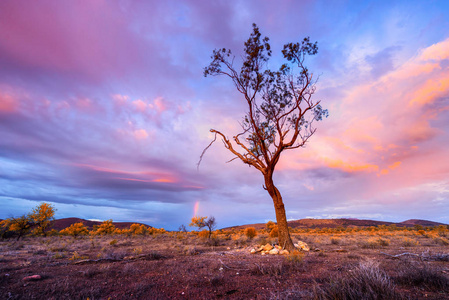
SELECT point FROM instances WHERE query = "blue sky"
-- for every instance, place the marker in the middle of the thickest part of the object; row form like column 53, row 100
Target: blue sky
column 104, row 110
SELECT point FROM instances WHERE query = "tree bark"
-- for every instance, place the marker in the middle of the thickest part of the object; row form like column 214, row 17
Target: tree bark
column 285, row 240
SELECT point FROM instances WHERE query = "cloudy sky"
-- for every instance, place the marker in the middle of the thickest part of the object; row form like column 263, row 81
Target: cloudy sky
column 104, row 110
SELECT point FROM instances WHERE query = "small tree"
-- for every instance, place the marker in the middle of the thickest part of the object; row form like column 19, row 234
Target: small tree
column 20, row 225
column 41, row 216
column 280, row 109
column 75, row 230
column 202, row 222
column 182, row 228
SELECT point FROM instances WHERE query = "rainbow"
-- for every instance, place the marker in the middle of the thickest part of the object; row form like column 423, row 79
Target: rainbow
column 195, row 208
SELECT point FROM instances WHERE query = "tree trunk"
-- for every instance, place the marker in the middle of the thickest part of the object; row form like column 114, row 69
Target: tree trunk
column 285, row 240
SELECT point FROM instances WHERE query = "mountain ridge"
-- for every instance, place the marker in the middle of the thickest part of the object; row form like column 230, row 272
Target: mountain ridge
column 59, row 224
column 343, row 222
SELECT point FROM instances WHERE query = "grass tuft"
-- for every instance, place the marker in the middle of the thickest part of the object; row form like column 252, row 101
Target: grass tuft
column 426, row 277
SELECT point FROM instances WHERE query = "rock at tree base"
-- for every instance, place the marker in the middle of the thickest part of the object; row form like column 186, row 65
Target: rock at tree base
column 273, row 251
column 267, row 247
column 302, row 246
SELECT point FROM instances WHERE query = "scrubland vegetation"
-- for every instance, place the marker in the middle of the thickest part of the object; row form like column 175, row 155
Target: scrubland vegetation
column 140, row 262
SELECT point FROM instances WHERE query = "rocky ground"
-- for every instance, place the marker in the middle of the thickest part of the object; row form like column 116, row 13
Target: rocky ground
column 183, row 266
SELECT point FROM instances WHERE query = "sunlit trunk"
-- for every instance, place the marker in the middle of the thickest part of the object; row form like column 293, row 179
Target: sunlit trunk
column 285, row 240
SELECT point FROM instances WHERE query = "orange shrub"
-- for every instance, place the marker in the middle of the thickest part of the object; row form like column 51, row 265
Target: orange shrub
column 274, row 232
column 152, row 230
column 270, row 225
column 204, row 234
column 136, row 229
column 105, row 228
column 75, row 230
column 250, row 232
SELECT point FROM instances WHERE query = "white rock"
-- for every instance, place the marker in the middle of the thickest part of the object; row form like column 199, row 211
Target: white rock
column 274, row 251
column 302, row 246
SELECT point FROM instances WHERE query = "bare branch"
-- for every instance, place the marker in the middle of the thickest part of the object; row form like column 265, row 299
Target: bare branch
column 232, row 159
column 204, row 151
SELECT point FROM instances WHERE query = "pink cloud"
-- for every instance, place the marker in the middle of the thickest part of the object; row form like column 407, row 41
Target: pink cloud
column 432, row 89
column 139, row 176
column 120, row 100
column 159, row 104
column 140, row 105
column 141, row 134
column 391, row 128
column 387, row 127
column 87, row 105
column 8, row 103
column 350, row 166
column 438, row 51
column 164, row 180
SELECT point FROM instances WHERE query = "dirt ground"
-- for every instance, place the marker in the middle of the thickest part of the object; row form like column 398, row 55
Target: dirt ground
column 184, row 266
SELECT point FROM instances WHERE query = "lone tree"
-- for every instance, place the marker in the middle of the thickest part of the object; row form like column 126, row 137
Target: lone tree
column 280, row 109
column 202, row 222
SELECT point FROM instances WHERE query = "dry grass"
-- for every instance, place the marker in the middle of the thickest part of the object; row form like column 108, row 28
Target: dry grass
column 366, row 281
column 341, row 265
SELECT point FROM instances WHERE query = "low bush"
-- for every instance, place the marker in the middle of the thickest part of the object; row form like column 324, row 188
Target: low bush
column 374, row 243
column 75, row 230
column 203, row 234
column 335, row 241
column 271, row 269
column 274, row 232
column 250, row 232
column 213, row 241
column 295, row 257
column 441, row 241
column 408, row 242
column 426, row 277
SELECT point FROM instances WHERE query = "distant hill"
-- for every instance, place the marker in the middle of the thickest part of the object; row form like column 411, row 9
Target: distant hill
column 60, row 224
column 333, row 223
column 413, row 222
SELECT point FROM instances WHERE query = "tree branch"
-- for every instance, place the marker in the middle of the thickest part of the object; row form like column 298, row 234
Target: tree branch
column 204, row 151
